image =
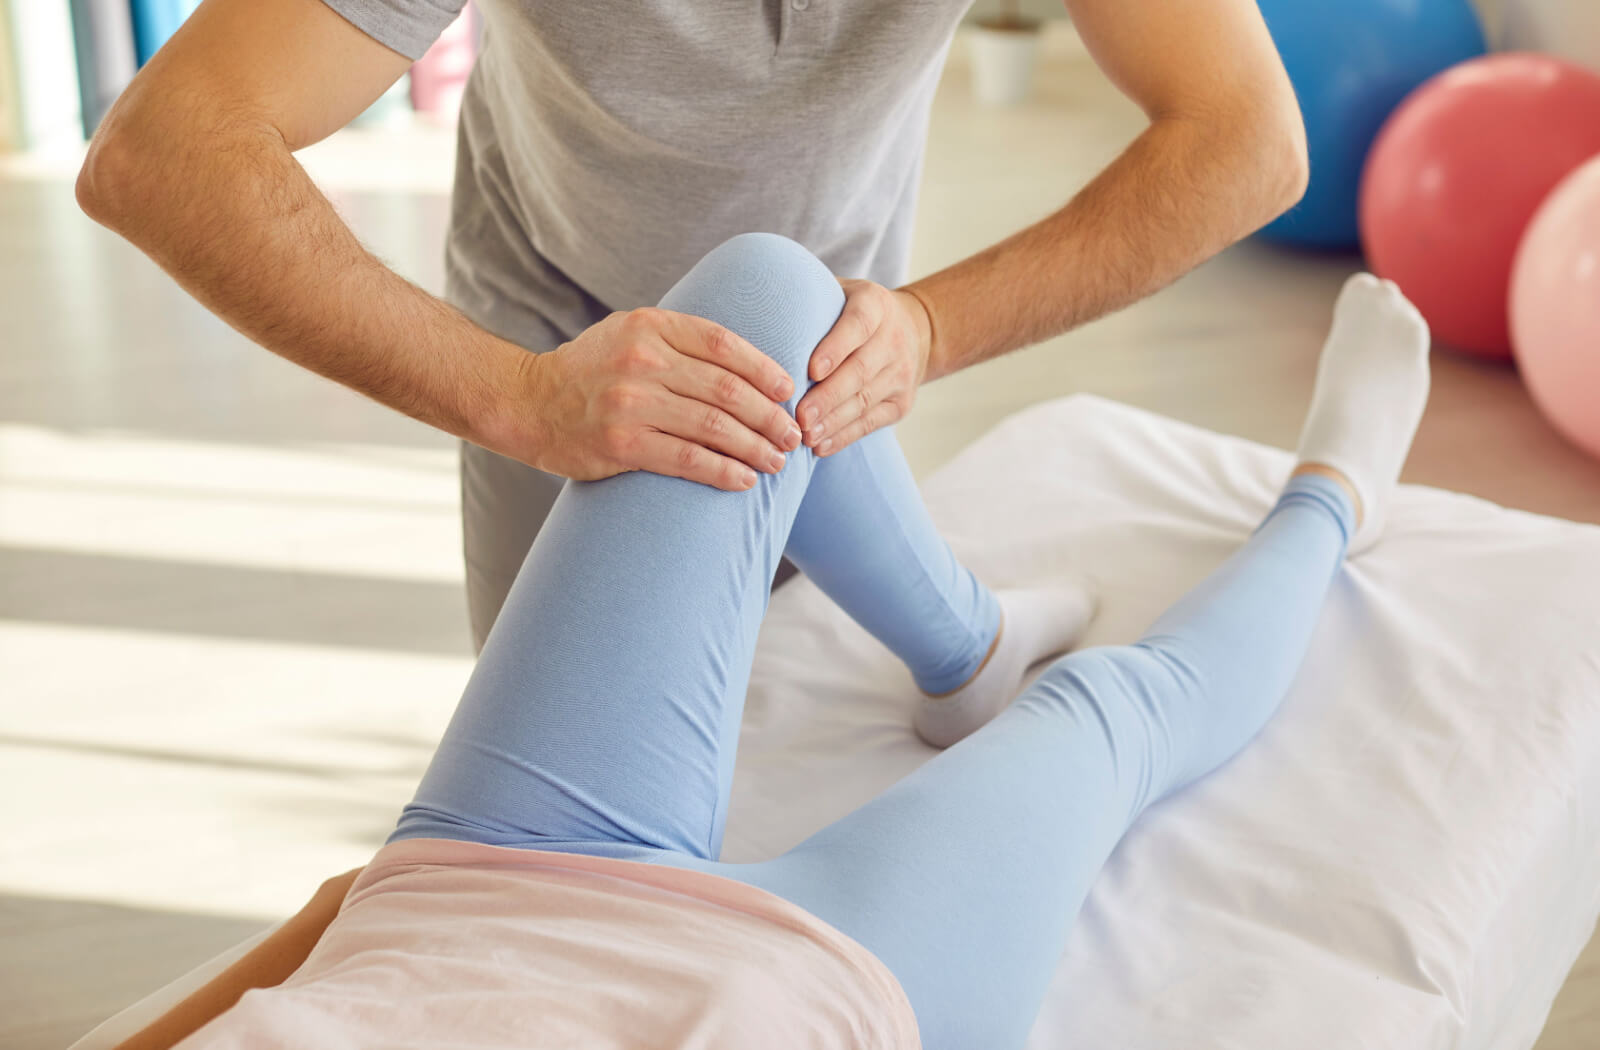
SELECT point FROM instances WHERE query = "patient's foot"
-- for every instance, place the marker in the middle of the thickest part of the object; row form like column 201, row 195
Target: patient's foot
column 1372, row 384
column 1035, row 623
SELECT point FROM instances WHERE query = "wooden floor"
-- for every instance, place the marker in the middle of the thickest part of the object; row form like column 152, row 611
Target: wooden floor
column 230, row 615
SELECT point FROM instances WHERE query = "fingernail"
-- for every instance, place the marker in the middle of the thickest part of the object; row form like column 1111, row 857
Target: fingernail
column 823, row 365
column 775, row 461
column 808, row 417
column 749, row 479
column 781, row 390
column 822, row 449
column 792, row 438
column 817, row 432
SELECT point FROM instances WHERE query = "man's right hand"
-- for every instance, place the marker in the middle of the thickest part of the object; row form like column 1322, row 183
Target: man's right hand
column 655, row 390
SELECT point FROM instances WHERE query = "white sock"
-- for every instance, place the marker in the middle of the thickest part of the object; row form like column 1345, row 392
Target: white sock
column 1372, row 384
column 1035, row 623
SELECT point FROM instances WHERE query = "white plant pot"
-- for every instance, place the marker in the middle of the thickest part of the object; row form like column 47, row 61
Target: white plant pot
column 1002, row 64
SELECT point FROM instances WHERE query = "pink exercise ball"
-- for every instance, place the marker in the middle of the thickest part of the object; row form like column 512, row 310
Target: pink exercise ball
column 1555, row 307
column 1456, row 173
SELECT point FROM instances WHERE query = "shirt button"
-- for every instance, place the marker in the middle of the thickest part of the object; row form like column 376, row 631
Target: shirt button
column 799, row 5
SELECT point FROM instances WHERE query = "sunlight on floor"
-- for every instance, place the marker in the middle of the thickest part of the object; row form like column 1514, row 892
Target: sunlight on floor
column 354, row 510
column 207, row 761
column 185, row 577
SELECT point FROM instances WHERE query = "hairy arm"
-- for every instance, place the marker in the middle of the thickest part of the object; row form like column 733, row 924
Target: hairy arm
column 1224, row 154
column 267, row 964
column 194, row 164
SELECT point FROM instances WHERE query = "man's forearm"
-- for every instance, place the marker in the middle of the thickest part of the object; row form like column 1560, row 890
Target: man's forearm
column 219, row 202
column 1182, row 191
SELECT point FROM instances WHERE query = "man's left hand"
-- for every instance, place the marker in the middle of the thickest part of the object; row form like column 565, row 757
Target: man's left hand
column 867, row 369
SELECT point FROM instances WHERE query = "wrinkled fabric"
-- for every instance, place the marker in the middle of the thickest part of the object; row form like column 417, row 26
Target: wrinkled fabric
column 460, row 945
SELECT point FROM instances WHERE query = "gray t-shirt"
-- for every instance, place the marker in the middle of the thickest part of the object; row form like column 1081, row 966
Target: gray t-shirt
column 605, row 145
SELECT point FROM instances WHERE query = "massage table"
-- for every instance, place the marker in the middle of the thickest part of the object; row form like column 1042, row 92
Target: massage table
column 1408, row 856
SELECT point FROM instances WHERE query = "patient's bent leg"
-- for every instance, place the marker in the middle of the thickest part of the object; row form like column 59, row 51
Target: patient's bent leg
column 603, row 715
column 604, row 710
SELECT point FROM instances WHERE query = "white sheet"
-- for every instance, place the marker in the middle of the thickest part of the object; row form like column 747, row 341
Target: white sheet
column 1407, row 857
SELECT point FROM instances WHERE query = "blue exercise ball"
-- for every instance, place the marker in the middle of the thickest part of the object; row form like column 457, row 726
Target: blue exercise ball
column 1351, row 63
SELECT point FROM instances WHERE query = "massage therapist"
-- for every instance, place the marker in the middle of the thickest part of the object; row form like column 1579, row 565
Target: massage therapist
column 604, row 147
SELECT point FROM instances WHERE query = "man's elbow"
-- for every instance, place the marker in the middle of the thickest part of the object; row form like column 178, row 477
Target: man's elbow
column 104, row 178
column 1281, row 156
column 1293, row 162
column 95, row 184
column 1259, row 140
column 133, row 161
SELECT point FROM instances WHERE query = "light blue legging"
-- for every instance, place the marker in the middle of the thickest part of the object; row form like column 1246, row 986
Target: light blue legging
column 604, row 712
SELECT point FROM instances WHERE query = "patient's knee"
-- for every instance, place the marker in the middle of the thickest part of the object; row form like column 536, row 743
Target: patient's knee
column 767, row 289
column 773, row 251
